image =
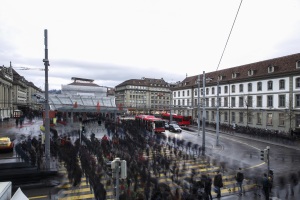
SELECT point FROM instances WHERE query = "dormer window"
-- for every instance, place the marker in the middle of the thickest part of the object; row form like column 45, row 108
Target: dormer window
column 298, row 64
column 234, row 75
column 250, row 72
column 220, row 77
column 270, row 69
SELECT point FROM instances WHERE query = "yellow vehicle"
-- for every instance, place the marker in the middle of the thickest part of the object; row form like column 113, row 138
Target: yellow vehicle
column 6, row 144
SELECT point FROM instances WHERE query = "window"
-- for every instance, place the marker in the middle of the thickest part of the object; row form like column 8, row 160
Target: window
column 297, row 100
column 234, row 75
column 233, row 88
column 226, row 89
column 241, row 117
column 270, row 85
column 281, row 119
column 183, row 102
column 195, row 102
column 188, row 93
column 249, row 101
column 174, row 94
column 233, row 117
column 212, row 102
column 269, row 118
column 207, row 91
column 178, row 93
column 201, row 91
column 212, row 90
column 250, row 72
column 259, row 86
column 259, row 101
column 178, row 102
column 259, row 118
column 207, row 102
column 297, row 82
column 241, row 101
column 270, row 101
column 241, row 86
column 213, row 115
column 298, row 64
column 232, row 101
column 281, row 84
column 249, row 118
column 249, row 87
column 281, row 100
column 225, row 101
column 196, row 92
column 207, row 115
column 174, row 102
column 225, row 116
column 270, row 69
column 183, row 93
column 220, row 90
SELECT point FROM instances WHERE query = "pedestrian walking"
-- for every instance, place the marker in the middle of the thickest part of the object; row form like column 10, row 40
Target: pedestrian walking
column 266, row 186
column 207, row 187
column 218, row 183
column 239, row 180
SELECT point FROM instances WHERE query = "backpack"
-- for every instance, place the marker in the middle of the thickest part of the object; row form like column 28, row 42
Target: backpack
column 239, row 177
column 218, row 180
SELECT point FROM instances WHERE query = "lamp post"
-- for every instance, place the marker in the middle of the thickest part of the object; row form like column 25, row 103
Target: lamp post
column 217, row 118
column 47, row 120
column 203, row 116
column 171, row 100
column 198, row 106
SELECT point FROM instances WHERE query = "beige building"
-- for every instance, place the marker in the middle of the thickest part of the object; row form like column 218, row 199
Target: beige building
column 145, row 95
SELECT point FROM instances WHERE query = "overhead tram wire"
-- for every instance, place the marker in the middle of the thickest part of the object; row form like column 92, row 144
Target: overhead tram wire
column 218, row 100
column 229, row 34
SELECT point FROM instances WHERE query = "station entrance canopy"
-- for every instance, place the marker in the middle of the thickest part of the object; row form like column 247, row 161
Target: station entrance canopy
column 80, row 103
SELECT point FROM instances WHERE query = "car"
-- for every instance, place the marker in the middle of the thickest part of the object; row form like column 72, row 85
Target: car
column 6, row 144
column 167, row 125
column 175, row 128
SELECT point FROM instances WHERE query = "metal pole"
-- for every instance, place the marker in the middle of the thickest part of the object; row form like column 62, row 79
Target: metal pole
column 47, row 120
column 268, row 157
column 203, row 116
column 198, row 106
column 217, row 118
column 171, row 97
column 117, row 179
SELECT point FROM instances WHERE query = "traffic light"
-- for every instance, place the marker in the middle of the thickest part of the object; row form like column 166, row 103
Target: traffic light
column 123, row 169
column 264, row 155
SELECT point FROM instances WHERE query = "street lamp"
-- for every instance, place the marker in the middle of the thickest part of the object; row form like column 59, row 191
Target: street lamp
column 47, row 120
column 203, row 116
column 198, row 107
column 217, row 118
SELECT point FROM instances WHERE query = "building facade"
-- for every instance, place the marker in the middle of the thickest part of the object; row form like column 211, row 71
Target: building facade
column 145, row 95
column 16, row 93
column 264, row 94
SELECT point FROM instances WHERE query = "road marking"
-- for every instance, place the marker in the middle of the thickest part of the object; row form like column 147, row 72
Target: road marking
column 39, row 197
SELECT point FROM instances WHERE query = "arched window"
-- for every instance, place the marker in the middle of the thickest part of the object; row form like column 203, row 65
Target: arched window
column 249, row 87
column 270, row 85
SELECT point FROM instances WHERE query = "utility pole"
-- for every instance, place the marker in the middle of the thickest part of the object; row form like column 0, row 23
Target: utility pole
column 203, row 116
column 198, row 106
column 171, row 101
column 218, row 117
column 47, row 120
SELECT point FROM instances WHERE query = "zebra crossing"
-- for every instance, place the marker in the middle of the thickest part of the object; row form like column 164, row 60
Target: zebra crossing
column 198, row 166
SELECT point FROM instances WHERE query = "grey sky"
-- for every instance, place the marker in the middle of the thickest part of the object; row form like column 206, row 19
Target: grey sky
column 112, row 41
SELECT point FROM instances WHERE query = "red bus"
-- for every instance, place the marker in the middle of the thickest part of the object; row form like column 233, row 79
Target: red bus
column 181, row 120
column 150, row 122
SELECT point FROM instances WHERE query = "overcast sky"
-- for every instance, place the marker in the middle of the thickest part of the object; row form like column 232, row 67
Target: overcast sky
column 116, row 40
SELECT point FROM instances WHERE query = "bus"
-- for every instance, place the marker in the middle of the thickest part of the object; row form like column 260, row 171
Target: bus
column 181, row 120
column 151, row 122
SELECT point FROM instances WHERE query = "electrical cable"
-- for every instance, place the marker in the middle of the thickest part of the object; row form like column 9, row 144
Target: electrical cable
column 229, row 34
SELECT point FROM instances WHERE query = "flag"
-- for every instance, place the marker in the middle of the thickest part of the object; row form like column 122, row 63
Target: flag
column 75, row 105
